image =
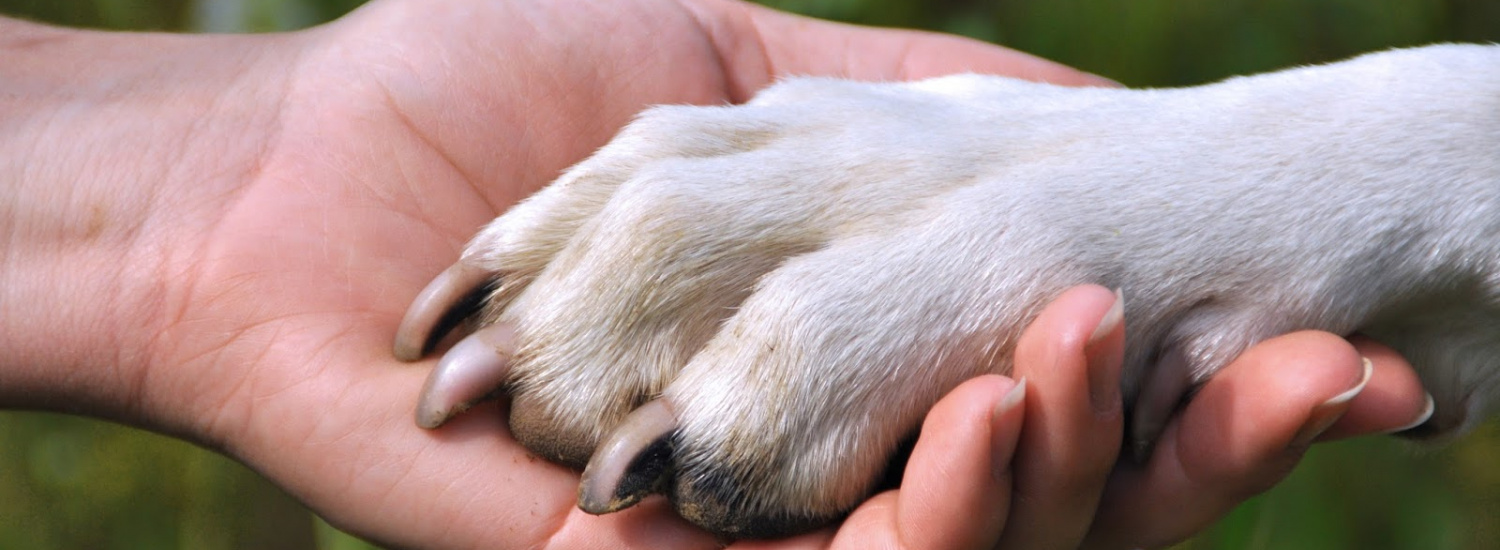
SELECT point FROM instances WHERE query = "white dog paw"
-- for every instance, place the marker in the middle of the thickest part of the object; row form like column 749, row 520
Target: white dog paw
column 750, row 267
column 750, row 308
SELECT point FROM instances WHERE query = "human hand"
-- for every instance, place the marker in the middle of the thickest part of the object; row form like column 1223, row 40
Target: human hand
column 1243, row 431
column 245, row 218
column 1048, row 474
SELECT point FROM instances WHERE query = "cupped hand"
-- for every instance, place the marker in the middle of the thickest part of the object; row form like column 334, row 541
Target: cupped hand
column 401, row 129
column 282, row 252
column 1002, row 466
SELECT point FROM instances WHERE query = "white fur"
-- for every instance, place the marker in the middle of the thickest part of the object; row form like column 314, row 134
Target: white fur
column 803, row 276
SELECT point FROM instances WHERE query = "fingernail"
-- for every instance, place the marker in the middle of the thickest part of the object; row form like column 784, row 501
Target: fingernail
column 1421, row 418
column 1012, row 399
column 1104, row 363
column 1001, row 448
column 1326, row 413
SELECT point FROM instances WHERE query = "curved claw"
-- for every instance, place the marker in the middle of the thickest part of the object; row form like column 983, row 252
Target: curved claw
column 466, row 374
column 634, row 462
column 450, row 297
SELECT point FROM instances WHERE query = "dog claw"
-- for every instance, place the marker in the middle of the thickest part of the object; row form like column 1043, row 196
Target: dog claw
column 450, row 297
column 633, row 462
column 468, row 373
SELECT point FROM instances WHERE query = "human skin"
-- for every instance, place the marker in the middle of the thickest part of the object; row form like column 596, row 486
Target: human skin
column 214, row 237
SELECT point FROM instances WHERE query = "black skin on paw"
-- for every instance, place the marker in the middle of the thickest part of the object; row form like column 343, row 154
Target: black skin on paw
column 713, row 500
column 461, row 312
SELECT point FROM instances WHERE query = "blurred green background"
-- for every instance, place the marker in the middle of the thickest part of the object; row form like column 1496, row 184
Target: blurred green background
column 73, row 483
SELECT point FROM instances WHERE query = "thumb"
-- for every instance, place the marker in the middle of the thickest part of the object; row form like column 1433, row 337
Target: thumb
column 758, row 45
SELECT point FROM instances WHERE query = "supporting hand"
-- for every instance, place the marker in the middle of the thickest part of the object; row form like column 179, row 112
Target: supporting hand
column 215, row 236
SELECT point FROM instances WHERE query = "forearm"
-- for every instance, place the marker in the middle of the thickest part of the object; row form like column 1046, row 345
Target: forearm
column 97, row 131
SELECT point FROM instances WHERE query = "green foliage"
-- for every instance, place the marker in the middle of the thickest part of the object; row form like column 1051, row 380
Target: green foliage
column 70, row 483
column 1374, row 494
column 198, row 15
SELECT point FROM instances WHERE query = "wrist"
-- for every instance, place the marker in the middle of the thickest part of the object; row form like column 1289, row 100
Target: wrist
column 107, row 136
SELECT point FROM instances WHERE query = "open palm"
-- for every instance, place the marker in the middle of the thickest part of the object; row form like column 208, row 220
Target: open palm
column 405, row 127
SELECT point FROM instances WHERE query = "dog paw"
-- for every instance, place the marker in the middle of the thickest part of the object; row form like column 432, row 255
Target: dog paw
column 718, row 304
column 749, row 308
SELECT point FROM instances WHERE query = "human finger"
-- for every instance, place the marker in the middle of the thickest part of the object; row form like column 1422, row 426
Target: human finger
column 957, row 489
column 1244, row 431
column 1393, row 401
column 1071, row 357
column 759, row 44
